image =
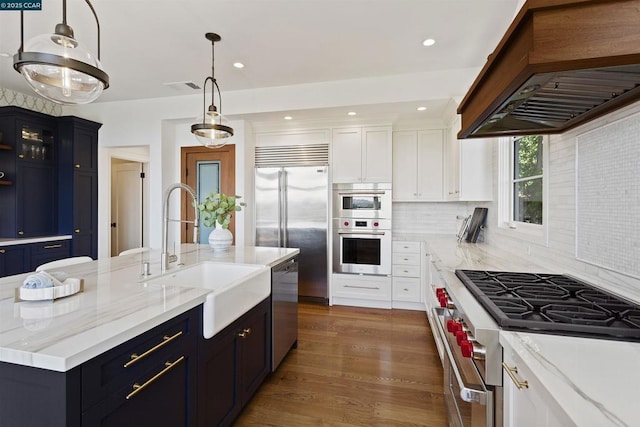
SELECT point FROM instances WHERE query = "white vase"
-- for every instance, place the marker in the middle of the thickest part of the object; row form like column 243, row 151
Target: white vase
column 220, row 239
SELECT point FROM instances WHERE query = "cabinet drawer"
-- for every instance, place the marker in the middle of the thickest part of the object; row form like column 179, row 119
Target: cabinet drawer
column 406, row 289
column 49, row 251
column 136, row 359
column 406, row 271
column 406, row 259
column 406, row 247
column 367, row 287
column 52, row 247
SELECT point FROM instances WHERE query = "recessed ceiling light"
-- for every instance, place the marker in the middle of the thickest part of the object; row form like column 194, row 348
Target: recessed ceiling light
column 288, row 117
column 422, row 108
column 428, row 42
column 351, row 113
column 238, row 64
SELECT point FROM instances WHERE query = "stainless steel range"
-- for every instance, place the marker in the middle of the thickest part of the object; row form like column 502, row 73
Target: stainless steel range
column 470, row 317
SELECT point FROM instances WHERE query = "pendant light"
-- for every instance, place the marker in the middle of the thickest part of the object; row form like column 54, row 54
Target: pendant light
column 58, row 68
column 212, row 130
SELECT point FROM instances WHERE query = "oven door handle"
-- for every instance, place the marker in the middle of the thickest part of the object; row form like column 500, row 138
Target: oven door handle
column 368, row 233
column 361, row 193
column 467, row 394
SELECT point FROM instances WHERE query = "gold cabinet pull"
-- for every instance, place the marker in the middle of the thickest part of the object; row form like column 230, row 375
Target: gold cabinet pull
column 245, row 332
column 137, row 388
column 21, row 156
column 20, row 233
column 165, row 340
column 512, row 374
column 77, row 230
column 77, row 166
column 2, row 251
column 52, row 246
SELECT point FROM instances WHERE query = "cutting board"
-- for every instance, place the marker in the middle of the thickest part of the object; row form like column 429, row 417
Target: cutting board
column 477, row 221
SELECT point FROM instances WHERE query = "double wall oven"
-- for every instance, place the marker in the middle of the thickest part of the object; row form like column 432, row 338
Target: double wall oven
column 362, row 228
column 471, row 312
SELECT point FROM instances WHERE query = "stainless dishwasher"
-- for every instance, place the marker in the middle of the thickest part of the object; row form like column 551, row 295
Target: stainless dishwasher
column 284, row 310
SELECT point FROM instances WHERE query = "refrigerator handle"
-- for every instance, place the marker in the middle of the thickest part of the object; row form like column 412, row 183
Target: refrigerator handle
column 280, row 172
column 285, row 209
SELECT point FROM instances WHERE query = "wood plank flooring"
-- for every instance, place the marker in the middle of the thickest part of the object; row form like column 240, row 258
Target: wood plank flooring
column 354, row 367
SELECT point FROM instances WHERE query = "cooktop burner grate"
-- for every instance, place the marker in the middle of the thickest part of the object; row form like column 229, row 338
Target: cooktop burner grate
column 552, row 303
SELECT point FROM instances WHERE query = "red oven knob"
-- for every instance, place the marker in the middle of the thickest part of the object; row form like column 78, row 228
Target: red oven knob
column 443, row 301
column 461, row 336
column 375, row 224
column 453, row 326
column 466, row 348
column 346, row 223
column 440, row 292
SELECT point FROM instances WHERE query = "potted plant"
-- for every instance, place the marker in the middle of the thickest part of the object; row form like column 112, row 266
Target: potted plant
column 217, row 209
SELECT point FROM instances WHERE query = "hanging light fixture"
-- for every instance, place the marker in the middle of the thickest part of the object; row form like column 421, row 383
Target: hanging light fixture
column 212, row 130
column 58, row 68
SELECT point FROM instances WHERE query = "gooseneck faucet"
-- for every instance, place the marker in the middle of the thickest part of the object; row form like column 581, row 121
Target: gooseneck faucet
column 166, row 259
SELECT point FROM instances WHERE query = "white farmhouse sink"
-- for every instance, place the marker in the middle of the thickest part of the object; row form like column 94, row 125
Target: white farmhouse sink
column 235, row 289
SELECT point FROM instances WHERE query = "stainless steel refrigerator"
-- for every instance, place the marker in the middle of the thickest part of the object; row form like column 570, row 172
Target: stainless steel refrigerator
column 292, row 211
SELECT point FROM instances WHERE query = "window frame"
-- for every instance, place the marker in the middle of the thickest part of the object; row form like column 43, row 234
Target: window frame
column 536, row 233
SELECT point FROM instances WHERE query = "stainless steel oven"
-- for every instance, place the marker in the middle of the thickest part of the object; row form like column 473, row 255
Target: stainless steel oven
column 471, row 358
column 469, row 401
column 362, row 246
column 363, row 200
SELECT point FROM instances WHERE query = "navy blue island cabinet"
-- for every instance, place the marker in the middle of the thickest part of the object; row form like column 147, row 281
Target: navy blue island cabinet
column 168, row 376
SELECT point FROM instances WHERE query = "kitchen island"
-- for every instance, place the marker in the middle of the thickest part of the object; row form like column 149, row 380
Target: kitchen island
column 117, row 306
column 572, row 380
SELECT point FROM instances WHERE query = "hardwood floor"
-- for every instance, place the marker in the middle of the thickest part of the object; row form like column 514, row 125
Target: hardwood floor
column 354, row 367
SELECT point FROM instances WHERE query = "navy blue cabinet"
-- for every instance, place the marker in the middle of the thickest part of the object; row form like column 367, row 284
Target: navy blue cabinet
column 29, row 203
column 78, row 177
column 232, row 366
column 13, row 259
column 147, row 381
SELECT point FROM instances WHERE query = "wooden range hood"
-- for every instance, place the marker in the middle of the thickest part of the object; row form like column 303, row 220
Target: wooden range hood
column 560, row 64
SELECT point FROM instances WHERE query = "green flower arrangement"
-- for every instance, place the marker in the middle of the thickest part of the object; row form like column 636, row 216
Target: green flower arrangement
column 218, row 207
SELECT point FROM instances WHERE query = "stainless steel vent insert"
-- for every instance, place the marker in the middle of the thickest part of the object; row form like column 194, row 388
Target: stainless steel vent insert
column 292, row 155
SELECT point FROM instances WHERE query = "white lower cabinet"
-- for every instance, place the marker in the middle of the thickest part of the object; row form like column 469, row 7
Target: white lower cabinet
column 409, row 265
column 361, row 290
column 527, row 403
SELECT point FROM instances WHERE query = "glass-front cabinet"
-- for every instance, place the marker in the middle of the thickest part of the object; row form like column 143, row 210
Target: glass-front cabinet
column 29, row 198
column 36, row 142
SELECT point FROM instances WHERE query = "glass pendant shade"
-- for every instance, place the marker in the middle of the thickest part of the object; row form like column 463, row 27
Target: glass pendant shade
column 60, row 70
column 213, row 129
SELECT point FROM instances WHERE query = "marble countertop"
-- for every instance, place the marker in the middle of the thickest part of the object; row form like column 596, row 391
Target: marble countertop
column 116, row 305
column 593, row 380
column 8, row 241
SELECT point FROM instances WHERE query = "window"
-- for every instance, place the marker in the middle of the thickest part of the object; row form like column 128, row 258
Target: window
column 527, row 180
column 523, row 187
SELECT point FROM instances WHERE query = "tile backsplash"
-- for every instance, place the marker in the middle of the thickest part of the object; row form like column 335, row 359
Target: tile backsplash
column 427, row 217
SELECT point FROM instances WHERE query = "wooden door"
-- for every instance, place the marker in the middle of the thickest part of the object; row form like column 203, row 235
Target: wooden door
column 192, row 161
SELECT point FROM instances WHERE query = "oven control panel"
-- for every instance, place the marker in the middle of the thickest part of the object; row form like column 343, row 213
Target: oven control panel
column 364, row 224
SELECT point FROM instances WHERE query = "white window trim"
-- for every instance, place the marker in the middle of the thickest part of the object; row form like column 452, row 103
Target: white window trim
column 534, row 233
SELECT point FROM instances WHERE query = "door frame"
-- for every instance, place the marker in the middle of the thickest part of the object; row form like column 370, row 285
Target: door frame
column 227, row 156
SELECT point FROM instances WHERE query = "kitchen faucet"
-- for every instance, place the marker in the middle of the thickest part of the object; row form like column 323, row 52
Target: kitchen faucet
column 166, row 258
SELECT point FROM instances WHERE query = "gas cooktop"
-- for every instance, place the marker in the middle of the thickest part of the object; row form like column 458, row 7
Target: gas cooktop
column 552, row 303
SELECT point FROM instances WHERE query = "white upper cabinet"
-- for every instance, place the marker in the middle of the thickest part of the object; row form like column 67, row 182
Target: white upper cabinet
column 361, row 154
column 469, row 165
column 418, row 165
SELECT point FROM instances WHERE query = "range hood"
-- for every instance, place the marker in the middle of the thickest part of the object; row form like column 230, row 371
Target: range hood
column 560, row 64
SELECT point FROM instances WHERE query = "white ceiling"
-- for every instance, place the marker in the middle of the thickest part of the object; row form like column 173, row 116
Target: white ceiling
column 148, row 43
